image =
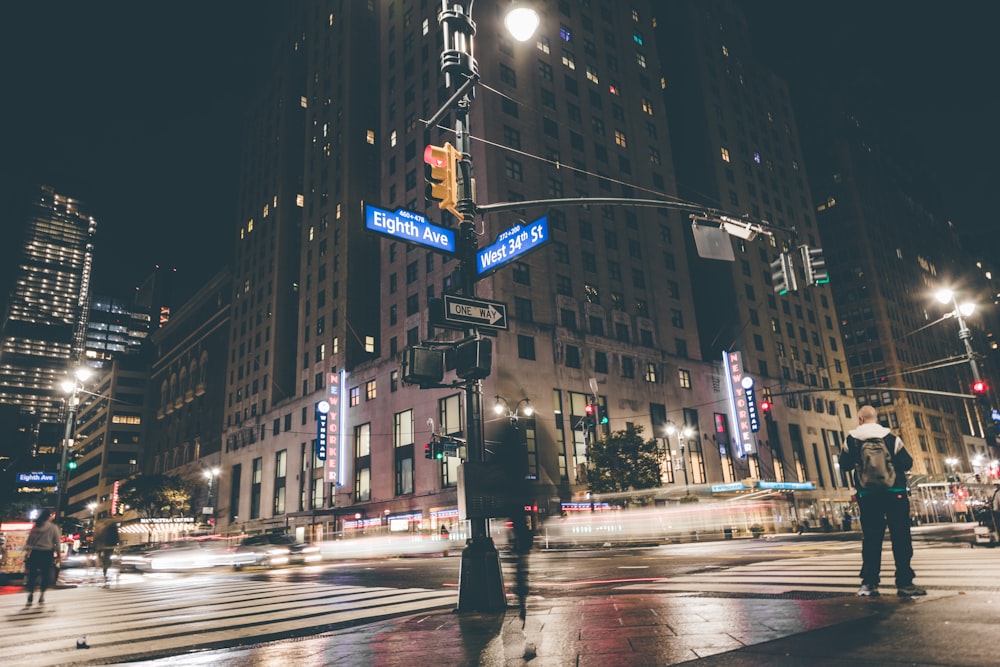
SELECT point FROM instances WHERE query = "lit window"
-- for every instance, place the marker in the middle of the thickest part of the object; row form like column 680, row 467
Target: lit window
column 756, row 157
column 725, row 50
column 426, row 26
column 647, row 106
column 568, row 60
column 565, row 34
column 250, row 225
column 725, row 155
column 392, row 138
column 542, row 44
column 592, row 74
column 637, row 37
column 300, row 200
column 370, row 134
column 312, row 232
column 684, row 378
column 650, row 373
column 338, row 211
column 620, row 139
column 641, row 60
column 303, row 102
column 267, row 209
column 370, row 344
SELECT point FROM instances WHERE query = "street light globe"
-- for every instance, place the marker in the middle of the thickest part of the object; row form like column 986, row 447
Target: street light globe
column 967, row 308
column 498, row 407
column 944, row 295
column 521, row 22
column 528, row 410
column 67, row 386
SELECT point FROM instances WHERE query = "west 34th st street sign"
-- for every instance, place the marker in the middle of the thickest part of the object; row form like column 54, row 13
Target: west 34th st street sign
column 409, row 226
column 512, row 243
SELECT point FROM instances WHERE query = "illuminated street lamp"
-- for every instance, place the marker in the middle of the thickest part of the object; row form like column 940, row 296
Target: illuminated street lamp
column 502, row 405
column 72, row 387
column 521, row 22
column 682, row 433
column 946, row 296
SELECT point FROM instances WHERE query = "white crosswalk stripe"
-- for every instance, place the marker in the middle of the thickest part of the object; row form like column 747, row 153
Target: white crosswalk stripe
column 161, row 618
column 938, row 568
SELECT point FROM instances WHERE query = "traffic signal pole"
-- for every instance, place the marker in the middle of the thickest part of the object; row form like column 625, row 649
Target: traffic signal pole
column 480, row 587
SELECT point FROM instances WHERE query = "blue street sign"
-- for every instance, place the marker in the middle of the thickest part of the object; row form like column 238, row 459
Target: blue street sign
column 36, row 477
column 409, row 226
column 511, row 244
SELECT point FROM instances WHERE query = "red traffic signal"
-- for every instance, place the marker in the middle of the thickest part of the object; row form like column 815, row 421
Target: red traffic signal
column 765, row 407
column 979, row 387
column 441, row 172
column 589, row 409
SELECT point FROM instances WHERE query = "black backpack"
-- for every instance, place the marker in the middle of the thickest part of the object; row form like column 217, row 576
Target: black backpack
column 875, row 469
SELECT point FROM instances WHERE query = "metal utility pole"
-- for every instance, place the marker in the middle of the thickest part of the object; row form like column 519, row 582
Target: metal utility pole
column 481, row 582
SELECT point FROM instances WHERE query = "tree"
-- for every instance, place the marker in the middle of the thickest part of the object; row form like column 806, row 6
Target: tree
column 623, row 461
column 154, row 496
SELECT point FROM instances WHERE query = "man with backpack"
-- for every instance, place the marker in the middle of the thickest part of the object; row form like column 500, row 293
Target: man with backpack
column 880, row 462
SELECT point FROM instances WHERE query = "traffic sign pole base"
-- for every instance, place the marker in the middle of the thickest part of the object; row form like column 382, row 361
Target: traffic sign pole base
column 480, row 586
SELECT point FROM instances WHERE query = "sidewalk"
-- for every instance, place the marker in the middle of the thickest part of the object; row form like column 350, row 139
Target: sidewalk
column 638, row 630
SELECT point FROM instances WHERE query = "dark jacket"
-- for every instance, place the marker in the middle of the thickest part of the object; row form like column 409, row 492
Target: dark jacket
column 851, row 456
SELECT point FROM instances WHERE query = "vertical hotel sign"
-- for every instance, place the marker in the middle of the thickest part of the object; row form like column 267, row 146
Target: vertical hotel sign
column 743, row 412
column 335, row 427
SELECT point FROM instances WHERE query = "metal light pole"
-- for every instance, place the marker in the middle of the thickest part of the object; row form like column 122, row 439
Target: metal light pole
column 72, row 388
column 681, row 433
column 210, row 475
column 946, row 296
column 481, row 581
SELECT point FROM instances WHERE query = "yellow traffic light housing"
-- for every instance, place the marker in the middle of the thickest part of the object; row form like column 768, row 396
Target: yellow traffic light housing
column 441, row 171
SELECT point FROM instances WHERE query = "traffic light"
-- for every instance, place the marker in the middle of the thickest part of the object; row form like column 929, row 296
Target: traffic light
column 438, row 450
column 428, row 451
column 979, row 387
column 783, row 274
column 589, row 413
column 814, row 265
column 441, row 172
column 765, row 408
column 70, row 465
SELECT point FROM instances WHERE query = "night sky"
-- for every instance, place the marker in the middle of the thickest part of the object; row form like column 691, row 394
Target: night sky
column 135, row 108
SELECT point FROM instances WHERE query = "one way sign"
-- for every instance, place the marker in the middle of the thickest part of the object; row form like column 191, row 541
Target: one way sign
column 479, row 312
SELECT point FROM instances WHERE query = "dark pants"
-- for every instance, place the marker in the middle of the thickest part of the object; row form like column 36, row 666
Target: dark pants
column 879, row 510
column 40, row 568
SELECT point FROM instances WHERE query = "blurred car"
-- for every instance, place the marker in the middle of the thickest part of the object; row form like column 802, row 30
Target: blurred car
column 82, row 557
column 130, row 555
column 271, row 549
column 179, row 555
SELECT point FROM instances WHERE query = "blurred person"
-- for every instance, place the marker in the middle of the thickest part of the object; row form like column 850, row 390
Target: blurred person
column 42, row 558
column 880, row 461
column 105, row 543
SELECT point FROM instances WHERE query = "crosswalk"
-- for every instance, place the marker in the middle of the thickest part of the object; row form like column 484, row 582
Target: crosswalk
column 146, row 619
column 939, row 569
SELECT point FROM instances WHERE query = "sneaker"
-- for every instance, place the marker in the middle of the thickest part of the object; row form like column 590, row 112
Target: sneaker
column 910, row 591
column 868, row 591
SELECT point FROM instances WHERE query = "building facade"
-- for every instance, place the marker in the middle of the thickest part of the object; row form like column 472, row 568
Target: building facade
column 606, row 312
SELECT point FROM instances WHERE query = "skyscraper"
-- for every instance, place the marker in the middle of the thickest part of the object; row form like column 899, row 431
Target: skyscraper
column 43, row 333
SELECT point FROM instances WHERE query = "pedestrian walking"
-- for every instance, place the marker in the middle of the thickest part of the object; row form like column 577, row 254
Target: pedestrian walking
column 105, row 543
column 880, row 462
column 42, row 555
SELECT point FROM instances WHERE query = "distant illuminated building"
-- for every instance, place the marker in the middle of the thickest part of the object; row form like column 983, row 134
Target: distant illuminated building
column 44, row 329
